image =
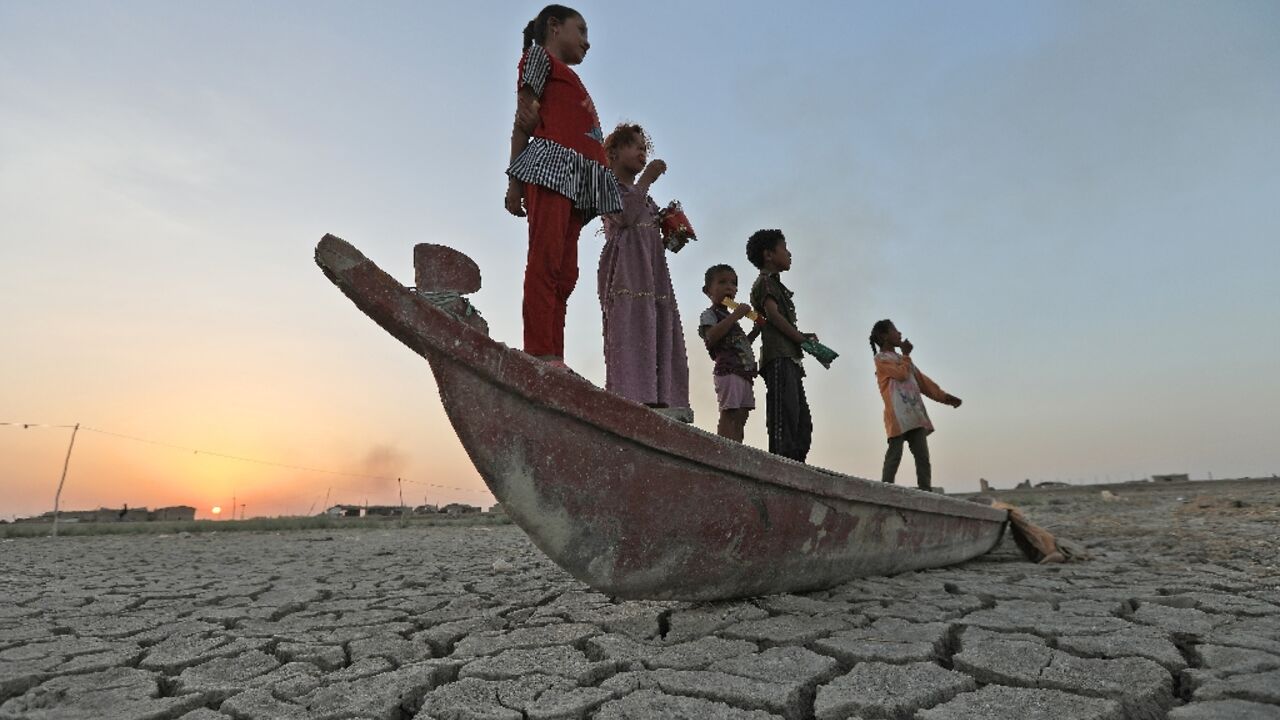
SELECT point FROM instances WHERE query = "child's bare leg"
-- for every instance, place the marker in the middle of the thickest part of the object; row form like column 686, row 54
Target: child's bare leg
column 725, row 428
column 733, row 423
column 741, row 419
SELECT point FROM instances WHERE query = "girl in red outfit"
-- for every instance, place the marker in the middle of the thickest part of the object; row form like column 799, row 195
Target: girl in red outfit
column 558, row 176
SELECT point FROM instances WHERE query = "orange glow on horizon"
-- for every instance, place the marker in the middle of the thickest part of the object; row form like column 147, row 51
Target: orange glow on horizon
column 112, row 467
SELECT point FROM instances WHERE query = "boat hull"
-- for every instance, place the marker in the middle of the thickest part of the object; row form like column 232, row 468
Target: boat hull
column 636, row 505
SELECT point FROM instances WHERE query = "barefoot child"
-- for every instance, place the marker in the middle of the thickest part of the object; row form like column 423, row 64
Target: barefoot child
column 730, row 348
column 557, row 175
column 786, row 409
column 644, row 351
column 905, row 419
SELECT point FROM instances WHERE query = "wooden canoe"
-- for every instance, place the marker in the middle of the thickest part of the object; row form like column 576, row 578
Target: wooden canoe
column 632, row 503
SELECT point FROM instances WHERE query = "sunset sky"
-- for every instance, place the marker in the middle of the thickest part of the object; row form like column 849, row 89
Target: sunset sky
column 1072, row 209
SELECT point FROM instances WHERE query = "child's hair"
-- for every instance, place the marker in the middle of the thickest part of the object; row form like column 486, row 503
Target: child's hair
column 626, row 134
column 536, row 30
column 878, row 333
column 759, row 242
column 715, row 270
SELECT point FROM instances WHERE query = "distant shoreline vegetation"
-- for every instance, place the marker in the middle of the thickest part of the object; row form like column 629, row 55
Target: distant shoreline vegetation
column 278, row 524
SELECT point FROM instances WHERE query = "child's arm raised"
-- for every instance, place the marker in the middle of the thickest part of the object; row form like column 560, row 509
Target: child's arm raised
column 716, row 333
column 651, row 173
column 893, row 367
column 775, row 318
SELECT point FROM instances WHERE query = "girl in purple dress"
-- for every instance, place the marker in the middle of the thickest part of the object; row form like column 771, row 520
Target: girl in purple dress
column 644, row 350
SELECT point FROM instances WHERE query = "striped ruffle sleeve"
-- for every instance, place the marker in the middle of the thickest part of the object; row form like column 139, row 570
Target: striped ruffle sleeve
column 535, row 67
column 590, row 185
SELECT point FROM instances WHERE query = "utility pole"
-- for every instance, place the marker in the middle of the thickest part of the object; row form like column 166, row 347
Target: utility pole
column 57, row 498
column 233, row 506
column 242, row 511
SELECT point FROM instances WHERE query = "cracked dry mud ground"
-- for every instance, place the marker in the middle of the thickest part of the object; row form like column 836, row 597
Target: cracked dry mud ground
column 1177, row 615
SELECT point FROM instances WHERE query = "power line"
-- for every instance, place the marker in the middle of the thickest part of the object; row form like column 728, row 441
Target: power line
column 211, row 453
column 240, row 458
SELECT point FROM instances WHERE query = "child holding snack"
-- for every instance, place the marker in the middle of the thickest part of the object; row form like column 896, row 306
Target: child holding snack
column 735, row 362
column 558, row 176
column 786, row 408
column 644, row 350
column 901, row 384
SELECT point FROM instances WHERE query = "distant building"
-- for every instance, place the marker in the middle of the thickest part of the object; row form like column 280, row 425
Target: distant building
column 459, row 509
column 177, row 512
column 426, row 510
column 497, row 509
column 1174, row 477
column 1052, row 484
column 383, row 511
column 124, row 514
column 341, row 511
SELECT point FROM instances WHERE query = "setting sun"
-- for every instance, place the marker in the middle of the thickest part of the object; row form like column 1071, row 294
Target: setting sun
column 217, row 510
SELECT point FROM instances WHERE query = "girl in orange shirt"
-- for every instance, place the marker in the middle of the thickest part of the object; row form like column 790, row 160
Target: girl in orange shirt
column 901, row 385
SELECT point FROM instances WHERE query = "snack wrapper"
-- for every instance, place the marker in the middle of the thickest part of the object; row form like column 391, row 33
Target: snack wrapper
column 823, row 354
column 676, row 228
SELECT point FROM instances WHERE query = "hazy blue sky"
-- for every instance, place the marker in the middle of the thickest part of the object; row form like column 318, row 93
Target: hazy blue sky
column 1071, row 208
